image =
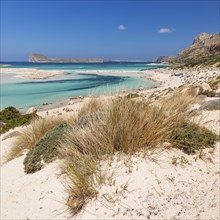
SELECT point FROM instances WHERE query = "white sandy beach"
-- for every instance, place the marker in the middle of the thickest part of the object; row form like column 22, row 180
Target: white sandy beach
column 153, row 188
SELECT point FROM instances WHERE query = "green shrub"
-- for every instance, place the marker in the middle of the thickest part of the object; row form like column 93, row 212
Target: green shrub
column 44, row 151
column 10, row 118
column 190, row 137
column 9, row 113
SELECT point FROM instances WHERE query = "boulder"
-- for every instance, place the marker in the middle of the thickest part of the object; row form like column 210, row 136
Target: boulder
column 205, row 89
column 166, row 144
column 178, row 74
column 217, row 92
column 31, row 110
column 210, row 105
column 68, row 110
column 71, row 102
column 80, row 97
column 168, row 90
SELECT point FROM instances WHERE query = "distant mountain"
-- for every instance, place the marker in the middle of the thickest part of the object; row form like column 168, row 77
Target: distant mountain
column 205, row 49
column 40, row 58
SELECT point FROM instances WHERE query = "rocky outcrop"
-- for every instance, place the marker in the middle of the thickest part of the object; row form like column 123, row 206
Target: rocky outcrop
column 162, row 59
column 204, row 49
column 210, row 105
column 40, row 58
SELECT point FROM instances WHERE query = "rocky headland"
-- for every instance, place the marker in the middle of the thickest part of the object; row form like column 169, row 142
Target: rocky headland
column 205, row 50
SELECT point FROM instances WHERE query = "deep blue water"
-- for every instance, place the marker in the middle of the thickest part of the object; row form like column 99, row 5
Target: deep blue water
column 131, row 66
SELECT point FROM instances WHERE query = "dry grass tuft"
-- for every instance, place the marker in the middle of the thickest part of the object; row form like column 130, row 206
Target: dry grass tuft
column 80, row 168
column 121, row 125
column 32, row 134
column 180, row 100
column 93, row 105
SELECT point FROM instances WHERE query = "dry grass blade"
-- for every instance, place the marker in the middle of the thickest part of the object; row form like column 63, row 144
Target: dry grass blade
column 93, row 105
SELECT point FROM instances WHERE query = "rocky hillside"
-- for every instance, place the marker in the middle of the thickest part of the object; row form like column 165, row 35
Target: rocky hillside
column 40, row 58
column 161, row 59
column 204, row 46
column 205, row 49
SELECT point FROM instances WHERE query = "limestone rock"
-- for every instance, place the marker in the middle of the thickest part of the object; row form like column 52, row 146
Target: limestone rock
column 71, row 102
column 31, row 110
column 210, row 105
column 205, row 89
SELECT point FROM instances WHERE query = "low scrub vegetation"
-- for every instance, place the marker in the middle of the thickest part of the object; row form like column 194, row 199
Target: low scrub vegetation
column 10, row 118
column 45, row 150
column 102, row 129
column 190, row 138
column 205, row 61
column 32, row 134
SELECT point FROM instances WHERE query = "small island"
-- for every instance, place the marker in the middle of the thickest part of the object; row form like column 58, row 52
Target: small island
column 40, row 58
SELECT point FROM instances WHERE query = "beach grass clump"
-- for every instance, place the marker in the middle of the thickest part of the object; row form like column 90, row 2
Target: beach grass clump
column 10, row 118
column 180, row 100
column 191, row 137
column 80, row 168
column 93, row 105
column 31, row 134
column 120, row 125
column 45, row 150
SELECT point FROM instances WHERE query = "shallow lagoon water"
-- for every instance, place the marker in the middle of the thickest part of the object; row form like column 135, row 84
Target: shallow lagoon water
column 27, row 93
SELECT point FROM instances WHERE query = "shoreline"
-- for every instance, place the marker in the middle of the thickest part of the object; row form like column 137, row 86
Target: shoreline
column 163, row 77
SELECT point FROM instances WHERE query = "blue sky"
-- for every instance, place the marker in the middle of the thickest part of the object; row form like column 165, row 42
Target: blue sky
column 107, row 29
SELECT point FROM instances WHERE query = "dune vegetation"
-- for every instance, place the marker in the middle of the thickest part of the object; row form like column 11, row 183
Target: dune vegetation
column 102, row 129
column 45, row 150
column 126, row 126
column 10, row 118
column 31, row 134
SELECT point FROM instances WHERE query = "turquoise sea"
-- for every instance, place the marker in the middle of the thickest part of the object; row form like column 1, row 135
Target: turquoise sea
column 80, row 79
